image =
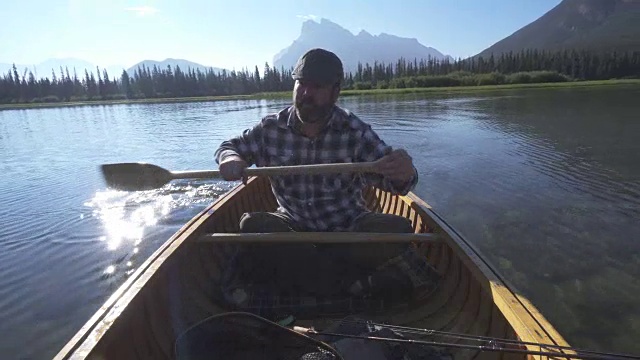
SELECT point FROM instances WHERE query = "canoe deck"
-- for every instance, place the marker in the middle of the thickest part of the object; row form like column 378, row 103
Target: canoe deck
column 177, row 287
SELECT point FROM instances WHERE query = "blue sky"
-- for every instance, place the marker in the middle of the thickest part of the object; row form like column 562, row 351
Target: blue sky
column 239, row 33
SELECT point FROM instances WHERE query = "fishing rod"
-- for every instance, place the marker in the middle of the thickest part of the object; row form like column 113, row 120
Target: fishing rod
column 430, row 332
column 220, row 331
column 493, row 344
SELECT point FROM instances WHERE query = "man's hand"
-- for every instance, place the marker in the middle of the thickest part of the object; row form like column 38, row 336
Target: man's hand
column 232, row 168
column 396, row 166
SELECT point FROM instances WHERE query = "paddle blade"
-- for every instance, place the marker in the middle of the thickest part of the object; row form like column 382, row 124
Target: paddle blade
column 135, row 176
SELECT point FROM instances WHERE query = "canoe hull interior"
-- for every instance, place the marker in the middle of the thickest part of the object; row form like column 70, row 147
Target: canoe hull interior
column 178, row 287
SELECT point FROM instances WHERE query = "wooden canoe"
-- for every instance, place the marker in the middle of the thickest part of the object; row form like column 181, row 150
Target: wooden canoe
column 171, row 291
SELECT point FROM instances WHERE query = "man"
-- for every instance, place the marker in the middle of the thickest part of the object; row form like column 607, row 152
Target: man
column 314, row 130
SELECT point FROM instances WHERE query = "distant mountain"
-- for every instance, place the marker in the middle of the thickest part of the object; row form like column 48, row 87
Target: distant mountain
column 579, row 24
column 183, row 64
column 45, row 68
column 351, row 49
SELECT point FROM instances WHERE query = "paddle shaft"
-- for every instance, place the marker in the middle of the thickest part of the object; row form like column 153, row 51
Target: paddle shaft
column 314, row 169
column 142, row 176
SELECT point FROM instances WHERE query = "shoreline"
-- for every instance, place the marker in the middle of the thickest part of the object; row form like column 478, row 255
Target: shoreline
column 285, row 94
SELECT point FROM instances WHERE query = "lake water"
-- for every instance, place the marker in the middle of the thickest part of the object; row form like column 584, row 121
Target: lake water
column 545, row 182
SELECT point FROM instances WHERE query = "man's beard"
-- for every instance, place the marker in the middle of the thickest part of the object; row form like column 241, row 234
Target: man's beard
column 308, row 112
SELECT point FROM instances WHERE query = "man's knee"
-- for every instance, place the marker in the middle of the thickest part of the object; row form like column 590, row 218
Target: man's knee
column 383, row 223
column 261, row 222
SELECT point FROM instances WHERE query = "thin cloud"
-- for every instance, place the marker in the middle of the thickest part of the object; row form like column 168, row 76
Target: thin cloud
column 143, row 10
column 308, row 17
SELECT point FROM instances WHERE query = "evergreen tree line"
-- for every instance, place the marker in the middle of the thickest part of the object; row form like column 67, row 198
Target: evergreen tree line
column 508, row 68
column 521, row 67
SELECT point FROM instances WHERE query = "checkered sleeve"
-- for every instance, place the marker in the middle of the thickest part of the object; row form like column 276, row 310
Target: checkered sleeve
column 247, row 146
column 373, row 148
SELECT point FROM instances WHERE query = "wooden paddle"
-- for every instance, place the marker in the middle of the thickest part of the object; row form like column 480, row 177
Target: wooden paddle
column 142, row 176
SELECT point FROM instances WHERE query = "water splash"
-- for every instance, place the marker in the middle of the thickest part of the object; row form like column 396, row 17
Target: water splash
column 133, row 221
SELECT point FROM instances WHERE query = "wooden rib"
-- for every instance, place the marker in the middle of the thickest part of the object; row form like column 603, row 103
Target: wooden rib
column 145, row 344
column 435, row 254
column 143, row 328
column 400, row 207
column 499, row 328
column 143, row 348
column 385, row 201
column 268, row 195
column 197, row 292
column 378, row 198
column 513, row 356
column 404, row 209
column 465, row 318
column 370, row 201
column 447, row 288
column 209, row 262
column 235, row 212
column 124, row 343
column 480, row 327
column 262, row 200
column 229, row 217
column 394, row 205
column 451, row 309
column 221, row 217
column 397, row 205
column 415, row 219
column 373, row 200
column 166, row 319
column 156, row 325
column 446, row 262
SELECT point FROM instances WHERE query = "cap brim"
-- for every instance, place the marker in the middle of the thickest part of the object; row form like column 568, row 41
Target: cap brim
column 321, row 81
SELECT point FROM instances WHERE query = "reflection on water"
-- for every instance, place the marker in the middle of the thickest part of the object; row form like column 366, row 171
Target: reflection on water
column 126, row 215
column 545, row 182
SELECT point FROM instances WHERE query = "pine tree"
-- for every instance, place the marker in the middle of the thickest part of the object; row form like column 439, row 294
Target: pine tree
column 90, row 84
column 126, row 85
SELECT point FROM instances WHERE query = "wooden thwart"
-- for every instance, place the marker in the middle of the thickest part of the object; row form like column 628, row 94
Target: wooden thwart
column 321, row 237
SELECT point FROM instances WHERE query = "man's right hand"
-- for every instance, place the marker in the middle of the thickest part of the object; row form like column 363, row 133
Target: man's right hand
column 232, row 168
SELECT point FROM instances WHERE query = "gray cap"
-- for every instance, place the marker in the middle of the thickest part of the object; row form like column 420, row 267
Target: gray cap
column 319, row 65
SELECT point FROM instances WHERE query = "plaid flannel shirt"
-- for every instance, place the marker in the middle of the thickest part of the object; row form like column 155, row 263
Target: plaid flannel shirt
column 315, row 202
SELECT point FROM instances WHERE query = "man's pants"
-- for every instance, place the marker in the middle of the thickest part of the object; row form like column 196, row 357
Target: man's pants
column 323, row 268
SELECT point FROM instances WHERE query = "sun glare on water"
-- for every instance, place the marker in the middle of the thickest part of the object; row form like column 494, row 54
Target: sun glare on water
column 125, row 215
column 128, row 217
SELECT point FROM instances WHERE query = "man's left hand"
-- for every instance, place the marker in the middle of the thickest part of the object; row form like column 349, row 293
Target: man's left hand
column 397, row 166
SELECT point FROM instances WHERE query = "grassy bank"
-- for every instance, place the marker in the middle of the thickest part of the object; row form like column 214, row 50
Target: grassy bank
column 287, row 94
column 481, row 88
